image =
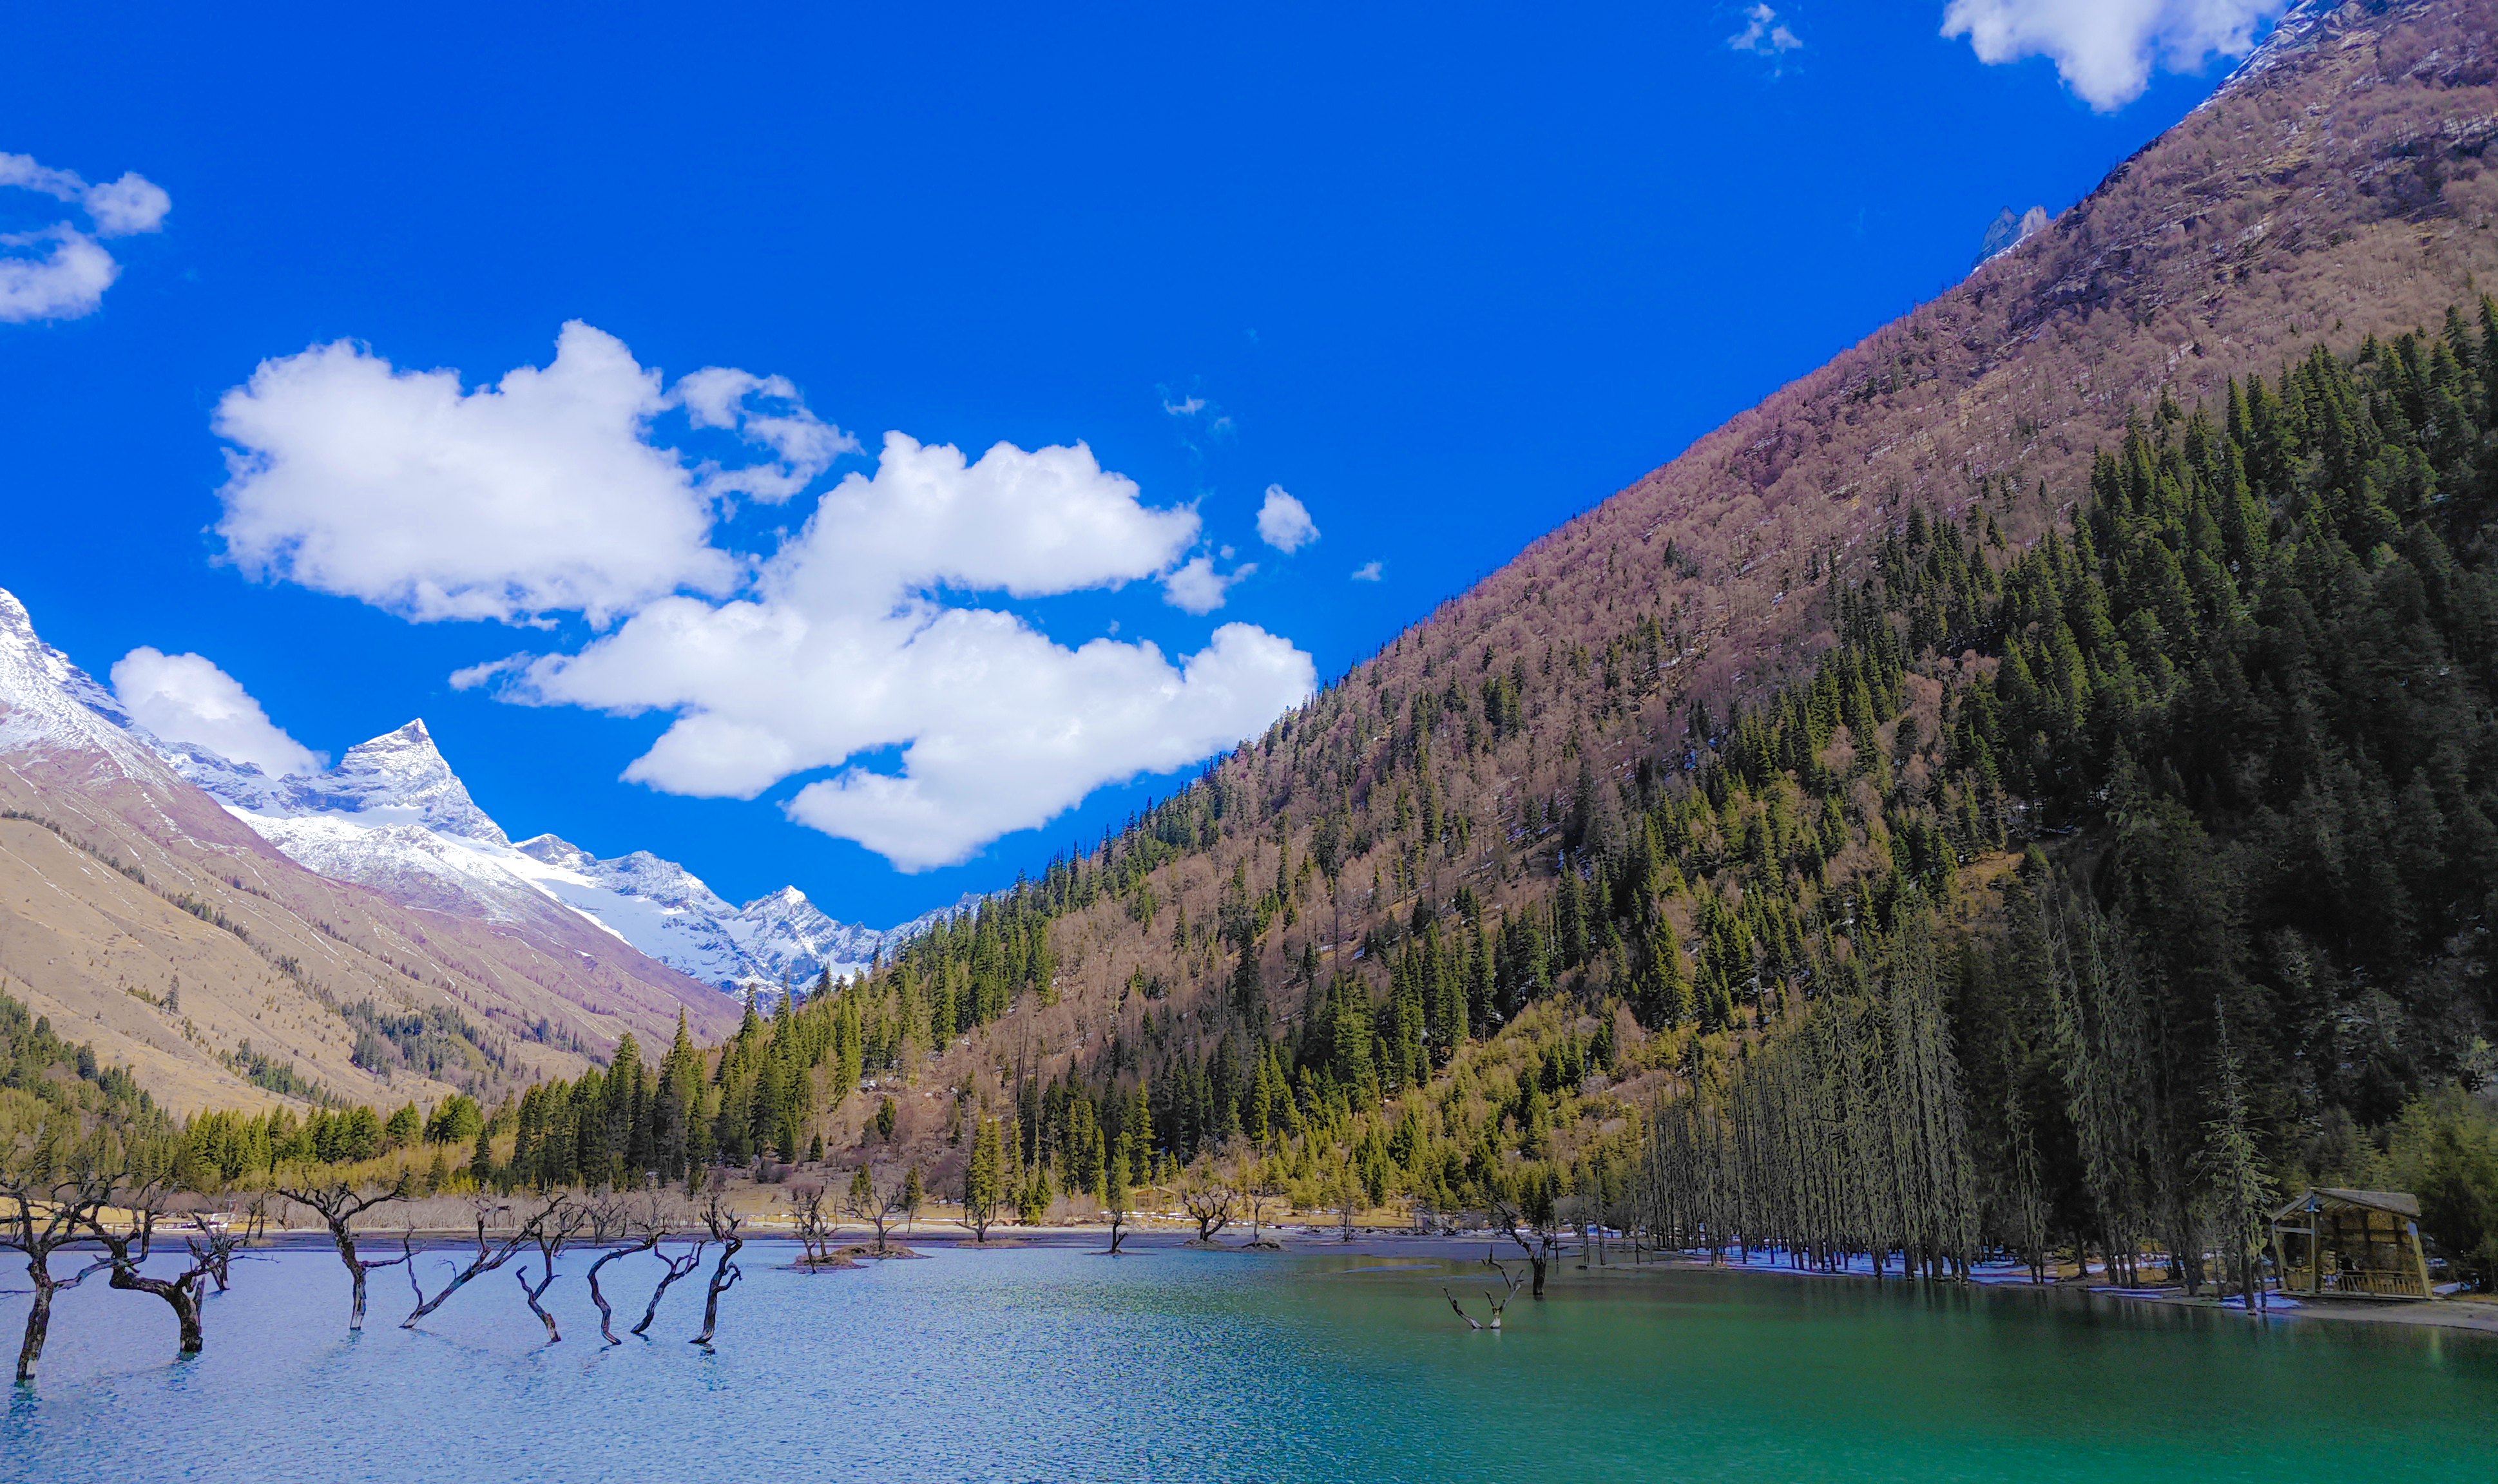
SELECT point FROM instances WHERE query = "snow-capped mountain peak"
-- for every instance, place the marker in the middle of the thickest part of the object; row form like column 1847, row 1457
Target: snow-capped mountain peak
column 394, row 816
column 47, row 701
column 402, row 778
column 780, row 934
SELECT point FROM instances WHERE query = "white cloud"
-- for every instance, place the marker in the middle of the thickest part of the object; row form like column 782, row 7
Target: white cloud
column 805, row 445
column 1196, row 587
column 1000, row 727
column 470, row 676
column 133, row 203
column 2104, row 49
column 1032, row 728
column 1034, row 523
column 541, row 494
column 1764, row 34
column 1367, row 572
column 124, row 208
column 186, row 698
column 1186, row 407
column 64, row 283
column 843, row 650
column 1284, row 522
column 66, row 280
column 546, row 494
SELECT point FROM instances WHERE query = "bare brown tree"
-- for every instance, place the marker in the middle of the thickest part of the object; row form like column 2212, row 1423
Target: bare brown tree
column 723, row 1226
column 339, row 1203
column 1461, row 1309
column 489, row 1254
column 646, row 1241
column 554, row 1229
column 880, row 1200
column 1261, row 1186
column 128, row 1251
column 1539, row 1222
column 216, row 1243
column 816, row 1226
column 1210, row 1204
column 1509, row 1292
column 677, row 1268
column 54, row 1179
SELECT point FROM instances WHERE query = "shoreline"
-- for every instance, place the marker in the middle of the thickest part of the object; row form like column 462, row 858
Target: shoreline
column 2472, row 1315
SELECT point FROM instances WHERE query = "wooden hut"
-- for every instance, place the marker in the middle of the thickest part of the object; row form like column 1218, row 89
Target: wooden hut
column 2356, row 1244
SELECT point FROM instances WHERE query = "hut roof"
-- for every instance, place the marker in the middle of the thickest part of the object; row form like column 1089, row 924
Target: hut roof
column 2401, row 1203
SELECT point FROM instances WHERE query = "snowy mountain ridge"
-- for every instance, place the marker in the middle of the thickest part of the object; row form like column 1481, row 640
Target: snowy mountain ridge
column 51, row 704
column 393, row 815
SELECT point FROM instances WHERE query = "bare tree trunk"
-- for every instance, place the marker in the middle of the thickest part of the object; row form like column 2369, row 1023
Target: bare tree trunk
column 606, row 1316
column 47, row 1218
column 722, row 1227
column 724, row 1277
column 487, row 1260
column 678, row 1267
column 1501, row 1304
column 181, row 1292
column 521, row 1275
column 39, row 1317
column 39, row 1323
column 339, row 1205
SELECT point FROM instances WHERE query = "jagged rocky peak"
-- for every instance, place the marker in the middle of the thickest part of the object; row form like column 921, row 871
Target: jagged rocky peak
column 401, row 777
column 47, row 702
column 15, row 624
column 556, row 850
column 2007, row 231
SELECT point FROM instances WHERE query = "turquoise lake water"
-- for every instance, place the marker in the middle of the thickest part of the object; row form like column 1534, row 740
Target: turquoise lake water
column 1042, row 1363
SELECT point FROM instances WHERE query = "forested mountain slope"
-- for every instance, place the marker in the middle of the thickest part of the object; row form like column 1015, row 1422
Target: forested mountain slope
column 1494, row 822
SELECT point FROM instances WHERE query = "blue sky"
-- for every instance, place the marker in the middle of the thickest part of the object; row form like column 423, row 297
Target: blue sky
column 1447, row 276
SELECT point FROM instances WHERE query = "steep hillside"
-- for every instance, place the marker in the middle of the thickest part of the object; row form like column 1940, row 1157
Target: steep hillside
column 136, row 913
column 1420, row 815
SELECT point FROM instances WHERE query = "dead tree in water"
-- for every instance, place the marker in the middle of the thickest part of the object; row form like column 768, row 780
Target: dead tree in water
column 1259, row 1186
column 677, row 1268
column 1501, row 1303
column 609, row 1216
column 490, row 1257
column 724, row 1276
column 1210, row 1204
column 1536, row 1210
column 338, row 1204
column 556, row 1227
column 216, row 1244
column 815, row 1227
column 877, row 1200
column 128, row 1253
column 53, row 1182
column 1461, row 1309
